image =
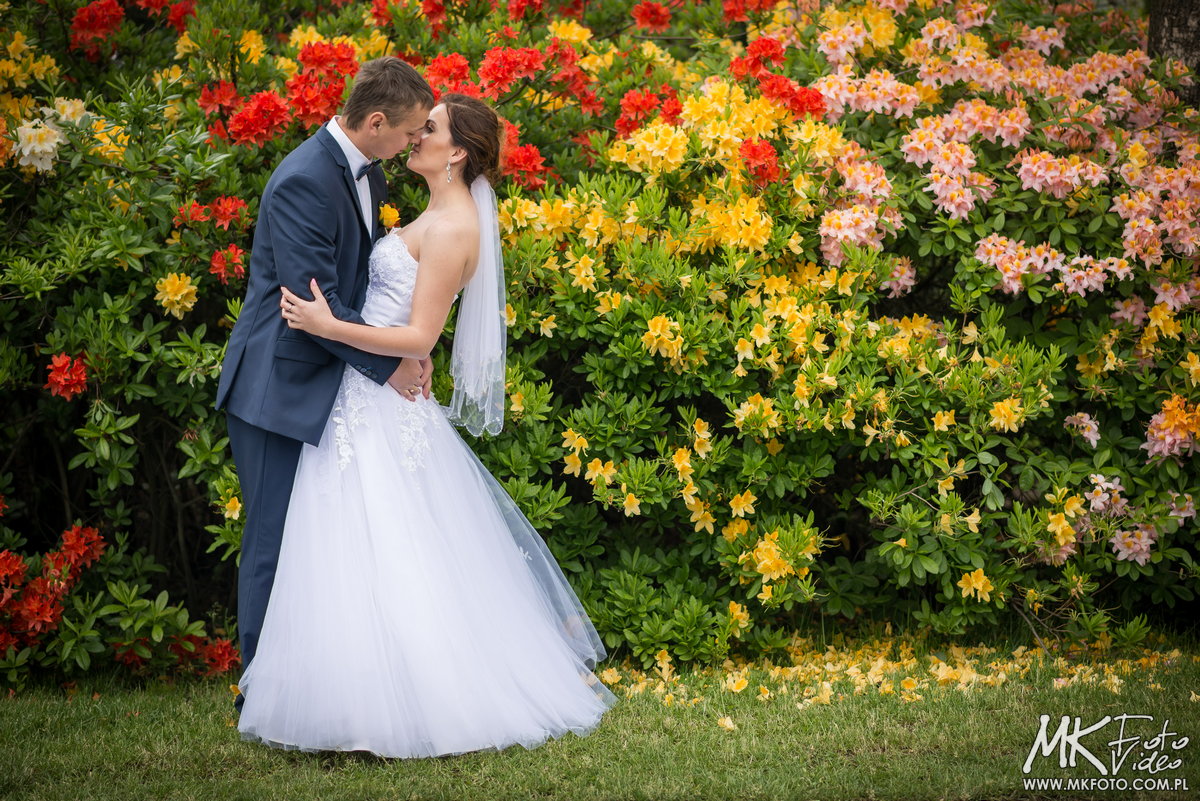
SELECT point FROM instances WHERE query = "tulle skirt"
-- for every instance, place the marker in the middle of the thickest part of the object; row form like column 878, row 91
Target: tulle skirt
column 415, row 612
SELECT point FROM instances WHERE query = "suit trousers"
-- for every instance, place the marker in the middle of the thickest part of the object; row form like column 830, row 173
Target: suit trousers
column 266, row 465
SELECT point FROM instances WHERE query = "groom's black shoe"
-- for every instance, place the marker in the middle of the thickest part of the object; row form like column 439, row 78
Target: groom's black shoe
column 238, row 702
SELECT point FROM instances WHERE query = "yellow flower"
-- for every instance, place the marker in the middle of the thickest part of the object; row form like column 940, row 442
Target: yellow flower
column 1073, row 506
column 547, row 326
column 252, row 46
column 943, row 420
column 902, row 542
column 743, row 504
column 1191, row 364
column 1006, row 414
column 744, row 349
column 1061, row 529
column 727, row 723
column 597, row 471
column 976, row 584
column 510, row 315
column 574, row 441
column 573, row 464
column 389, row 216
column 516, row 402
column 570, row 31
column 633, row 506
column 233, row 508
column 972, row 521
column 702, row 518
column 736, row 682
column 176, row 293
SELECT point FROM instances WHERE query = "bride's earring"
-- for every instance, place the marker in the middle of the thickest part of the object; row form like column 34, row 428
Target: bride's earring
column 449, row 177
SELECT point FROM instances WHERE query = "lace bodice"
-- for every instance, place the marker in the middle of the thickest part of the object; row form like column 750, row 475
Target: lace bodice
column 391, row 281
column 392, row 278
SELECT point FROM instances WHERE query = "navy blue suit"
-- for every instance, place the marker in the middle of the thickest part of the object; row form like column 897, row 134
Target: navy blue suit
column 278, row 385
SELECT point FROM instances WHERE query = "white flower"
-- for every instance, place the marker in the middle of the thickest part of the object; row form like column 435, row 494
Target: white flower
column 69, row 110
column 37, row 145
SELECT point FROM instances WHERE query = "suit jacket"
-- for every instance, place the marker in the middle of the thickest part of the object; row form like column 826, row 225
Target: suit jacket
column 309, row 226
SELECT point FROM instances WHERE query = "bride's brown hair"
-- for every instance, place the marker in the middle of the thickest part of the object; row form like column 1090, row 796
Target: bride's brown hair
column 476, row 128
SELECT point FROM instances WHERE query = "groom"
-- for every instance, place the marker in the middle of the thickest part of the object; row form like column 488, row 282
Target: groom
column 318, row 218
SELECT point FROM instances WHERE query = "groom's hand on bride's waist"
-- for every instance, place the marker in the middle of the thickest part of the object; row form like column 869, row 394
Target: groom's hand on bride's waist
column 411, row 377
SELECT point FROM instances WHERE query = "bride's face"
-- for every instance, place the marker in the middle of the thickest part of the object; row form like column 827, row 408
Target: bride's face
column 430, row 154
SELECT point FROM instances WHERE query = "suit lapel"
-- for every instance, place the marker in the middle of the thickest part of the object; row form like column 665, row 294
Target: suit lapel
column 378, row 196
column 347, row 175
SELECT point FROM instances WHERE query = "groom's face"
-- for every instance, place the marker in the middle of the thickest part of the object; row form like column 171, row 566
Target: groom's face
column 388, row 140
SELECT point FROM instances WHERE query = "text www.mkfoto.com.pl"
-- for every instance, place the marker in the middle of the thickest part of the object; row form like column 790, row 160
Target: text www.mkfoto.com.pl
column 1102, row 783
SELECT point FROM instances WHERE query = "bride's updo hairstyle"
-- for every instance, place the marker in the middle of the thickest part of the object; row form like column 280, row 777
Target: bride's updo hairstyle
column 476, row 128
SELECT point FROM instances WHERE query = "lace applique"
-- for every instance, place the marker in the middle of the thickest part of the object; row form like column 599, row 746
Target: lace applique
column 347, row 413
column 393, row 276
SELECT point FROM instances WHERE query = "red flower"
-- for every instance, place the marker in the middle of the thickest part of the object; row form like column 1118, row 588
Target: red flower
column 328, row 59
column 68, row 377
column 653, row 17
column 225, row 260
column 218, row 97
column 526, row 166
column 82, row 545
column 12, row 569
column 154, row 7
column 671, row 108
column 503, row 66
column 220, row 655
column 191, row 213
column 263, row 116
column 512, row 135
column 216, row 131
column 800, row 100
column 3, row 505
column 519, row 8
column 735, row 10
column 313, row 97
column 590, row 102
column 182, row 652
column 637, row 108
column 764, row 48
column 38, row 610
column 435, row 13
column 444, row 71
column 177, row 15
column 126, row 653
column 226, row 210
column 762, row 162
column 381, row 12
column 56, row 569
column 7, row 642
column 93, row 24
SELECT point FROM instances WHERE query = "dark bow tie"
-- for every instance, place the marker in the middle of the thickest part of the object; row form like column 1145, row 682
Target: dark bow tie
column 366, row 168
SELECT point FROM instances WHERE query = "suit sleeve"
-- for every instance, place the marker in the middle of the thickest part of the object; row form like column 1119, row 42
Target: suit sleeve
column 304, row 248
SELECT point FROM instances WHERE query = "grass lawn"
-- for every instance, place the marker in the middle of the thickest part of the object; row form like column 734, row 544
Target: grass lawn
column 882, row 718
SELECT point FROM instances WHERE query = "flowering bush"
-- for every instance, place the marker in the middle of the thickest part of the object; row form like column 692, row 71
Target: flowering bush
column 54, row 613
column 883, row 308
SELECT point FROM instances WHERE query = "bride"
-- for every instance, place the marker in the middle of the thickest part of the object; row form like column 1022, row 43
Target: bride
column 415, row 611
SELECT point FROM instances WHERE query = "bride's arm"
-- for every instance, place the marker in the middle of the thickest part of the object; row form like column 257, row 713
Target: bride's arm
column 444, row 252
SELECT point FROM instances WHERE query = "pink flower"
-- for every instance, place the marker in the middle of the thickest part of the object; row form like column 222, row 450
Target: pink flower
column 903, row 278
column 1086, row 427
column 1131, row 311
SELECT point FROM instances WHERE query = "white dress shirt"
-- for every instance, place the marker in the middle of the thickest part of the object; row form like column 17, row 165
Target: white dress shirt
column 356, row 159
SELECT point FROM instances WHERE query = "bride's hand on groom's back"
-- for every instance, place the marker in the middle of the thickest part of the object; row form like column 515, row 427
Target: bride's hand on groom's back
column 412, row 377
column 312, row 316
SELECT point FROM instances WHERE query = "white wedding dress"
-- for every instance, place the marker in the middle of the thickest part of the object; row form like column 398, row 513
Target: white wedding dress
column 415, row 612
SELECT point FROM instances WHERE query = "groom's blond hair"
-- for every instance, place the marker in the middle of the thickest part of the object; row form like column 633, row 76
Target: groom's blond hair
column 386, row 84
